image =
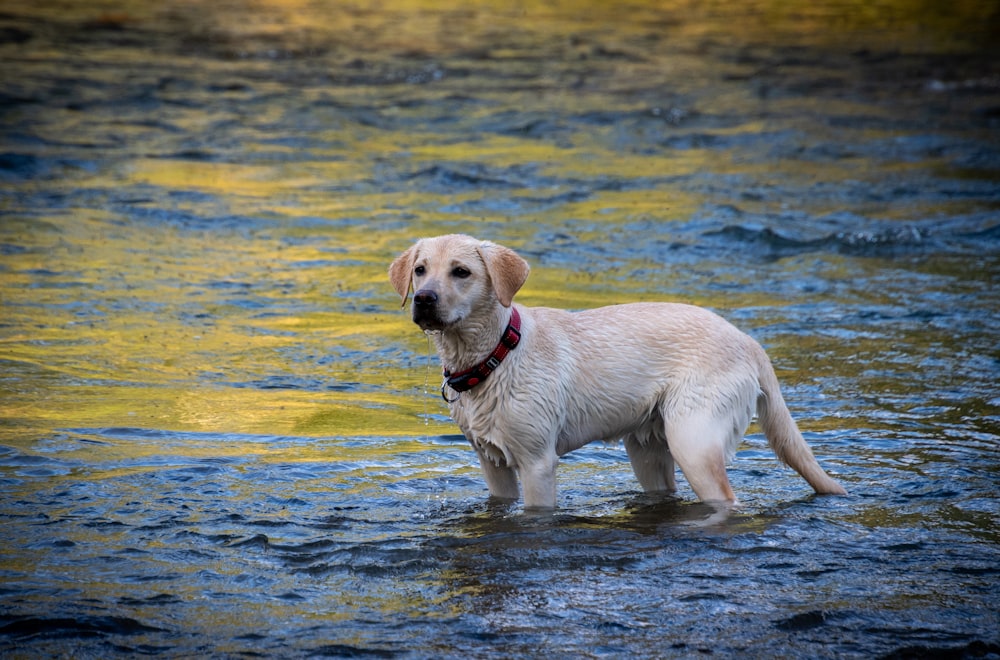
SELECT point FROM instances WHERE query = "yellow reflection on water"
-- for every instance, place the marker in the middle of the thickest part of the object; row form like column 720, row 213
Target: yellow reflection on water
column 168, row 316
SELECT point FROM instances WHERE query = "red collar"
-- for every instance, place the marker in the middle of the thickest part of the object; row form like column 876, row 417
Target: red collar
column 466, row 380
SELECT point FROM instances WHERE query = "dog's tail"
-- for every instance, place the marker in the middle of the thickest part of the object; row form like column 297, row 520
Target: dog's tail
column 783, row 435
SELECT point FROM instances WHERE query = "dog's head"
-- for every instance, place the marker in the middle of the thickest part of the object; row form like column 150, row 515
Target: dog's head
column 456, row 277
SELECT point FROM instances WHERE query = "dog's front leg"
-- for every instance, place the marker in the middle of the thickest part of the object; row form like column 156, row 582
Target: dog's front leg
column 538, row 477
column 500, row 479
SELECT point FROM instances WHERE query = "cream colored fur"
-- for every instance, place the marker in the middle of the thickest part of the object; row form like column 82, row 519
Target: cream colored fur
column 678, row 383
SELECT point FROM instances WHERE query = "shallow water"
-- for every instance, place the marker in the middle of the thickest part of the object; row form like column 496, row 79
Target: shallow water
column 220, row 436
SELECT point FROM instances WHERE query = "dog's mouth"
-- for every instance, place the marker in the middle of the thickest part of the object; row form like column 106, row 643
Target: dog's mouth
column 430, row 325
column 436, row 325
column 429, row 320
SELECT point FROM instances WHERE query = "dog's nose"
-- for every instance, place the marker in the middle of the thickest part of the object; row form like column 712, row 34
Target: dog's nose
column 425, row 298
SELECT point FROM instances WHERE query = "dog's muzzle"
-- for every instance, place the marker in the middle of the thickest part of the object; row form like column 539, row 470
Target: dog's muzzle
column 425, row 310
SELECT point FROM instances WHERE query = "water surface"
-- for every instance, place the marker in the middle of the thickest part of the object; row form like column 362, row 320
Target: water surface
column 219, row 435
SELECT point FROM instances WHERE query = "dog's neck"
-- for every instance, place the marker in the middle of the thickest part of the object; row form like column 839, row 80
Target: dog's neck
column 469, row 343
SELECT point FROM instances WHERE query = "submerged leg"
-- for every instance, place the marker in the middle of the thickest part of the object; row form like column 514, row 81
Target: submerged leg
column 500, row 479
column 538, row 478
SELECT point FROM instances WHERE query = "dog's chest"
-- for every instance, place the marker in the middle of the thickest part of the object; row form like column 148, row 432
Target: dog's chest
column 482, row 426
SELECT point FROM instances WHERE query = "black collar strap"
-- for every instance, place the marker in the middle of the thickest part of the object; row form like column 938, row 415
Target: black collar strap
column 466, row 380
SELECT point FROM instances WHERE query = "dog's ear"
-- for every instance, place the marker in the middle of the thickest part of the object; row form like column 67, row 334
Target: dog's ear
column 401, row 273
column 507, row 270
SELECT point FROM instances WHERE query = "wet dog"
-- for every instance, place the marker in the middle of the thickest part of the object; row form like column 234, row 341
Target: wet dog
column 528, row 384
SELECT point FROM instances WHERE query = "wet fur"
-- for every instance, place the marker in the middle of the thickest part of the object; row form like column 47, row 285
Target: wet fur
column 678, row 383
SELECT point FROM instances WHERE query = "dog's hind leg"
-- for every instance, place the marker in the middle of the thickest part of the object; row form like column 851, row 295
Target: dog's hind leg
column 701, row 445
column 651, row 461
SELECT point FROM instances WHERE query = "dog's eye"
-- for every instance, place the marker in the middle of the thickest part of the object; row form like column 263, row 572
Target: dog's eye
column 461, row 273
column 419, row 270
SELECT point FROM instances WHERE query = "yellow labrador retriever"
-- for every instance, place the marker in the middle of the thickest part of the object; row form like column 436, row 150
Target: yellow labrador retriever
column 529, row 384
